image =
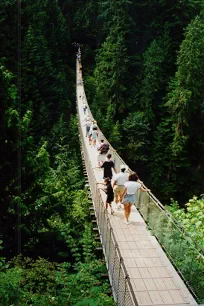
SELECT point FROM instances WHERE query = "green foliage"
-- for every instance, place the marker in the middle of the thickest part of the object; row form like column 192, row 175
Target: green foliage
column 149, row 105
column 185, row 99
column 80, row 206
column 87, row 242
column 134, row 72
column 9, row 286
column 185, row 104
column 136, row 129
column 111, row 70
column 68, row 235
column 85, row 24
column 176, row 242
column 43, row 283
column 115, row 137
column 86, row 288
column 191, row 218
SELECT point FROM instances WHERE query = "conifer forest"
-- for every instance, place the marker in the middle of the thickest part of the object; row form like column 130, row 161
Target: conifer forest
column 143, row 69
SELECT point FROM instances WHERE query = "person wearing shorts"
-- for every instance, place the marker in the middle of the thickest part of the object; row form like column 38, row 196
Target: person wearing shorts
column 128, row 196
column 118, row 185
column 94, row 133
column 94, row 136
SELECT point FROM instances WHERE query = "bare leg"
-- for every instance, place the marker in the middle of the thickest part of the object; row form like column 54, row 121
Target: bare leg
column 117, row 198
column 112, row 211
column 127, row 210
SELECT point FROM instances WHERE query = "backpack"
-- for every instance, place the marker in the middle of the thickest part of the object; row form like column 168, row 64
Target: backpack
column 105, row 148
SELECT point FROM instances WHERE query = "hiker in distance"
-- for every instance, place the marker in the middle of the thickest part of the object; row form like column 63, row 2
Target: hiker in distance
column 84, row 106
column 94, row 133
column 87, row 125
column 128, row 196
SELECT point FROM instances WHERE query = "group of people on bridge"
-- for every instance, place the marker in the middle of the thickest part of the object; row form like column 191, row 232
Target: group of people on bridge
column 120, row 188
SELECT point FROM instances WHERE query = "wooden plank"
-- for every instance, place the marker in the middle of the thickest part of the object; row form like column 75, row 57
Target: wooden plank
column 139, row 284
column 144, row 298
column 134, row 272
column 150, row 285
column 155, row 297
column 166, row 297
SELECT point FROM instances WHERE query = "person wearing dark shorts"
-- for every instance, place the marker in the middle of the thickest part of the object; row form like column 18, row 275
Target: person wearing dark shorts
column 109, row 191
column 107, row 166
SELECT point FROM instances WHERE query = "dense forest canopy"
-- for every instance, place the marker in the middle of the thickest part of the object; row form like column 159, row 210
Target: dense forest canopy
column 147, row 81
column 144, row 72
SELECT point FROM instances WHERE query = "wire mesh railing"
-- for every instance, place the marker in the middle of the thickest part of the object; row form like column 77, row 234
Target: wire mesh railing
column 185, row 254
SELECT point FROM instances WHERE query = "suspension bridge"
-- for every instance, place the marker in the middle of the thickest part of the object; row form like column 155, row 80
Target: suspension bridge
column 151, row 261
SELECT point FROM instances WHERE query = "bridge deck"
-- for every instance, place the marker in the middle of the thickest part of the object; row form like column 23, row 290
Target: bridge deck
column 153, row 278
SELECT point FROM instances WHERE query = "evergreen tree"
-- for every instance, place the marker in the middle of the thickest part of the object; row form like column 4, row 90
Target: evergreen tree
column 186, row 104
column 9, row 145
column 185, row 133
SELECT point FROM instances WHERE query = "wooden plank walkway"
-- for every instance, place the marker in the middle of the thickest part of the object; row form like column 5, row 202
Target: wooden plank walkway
column 153, row 278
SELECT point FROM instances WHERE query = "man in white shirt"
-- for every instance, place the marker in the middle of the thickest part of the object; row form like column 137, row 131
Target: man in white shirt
column 118, row 185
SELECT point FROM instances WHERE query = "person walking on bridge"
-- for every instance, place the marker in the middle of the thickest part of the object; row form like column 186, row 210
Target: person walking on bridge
column 84, row 106
column 107, row 166
column 118, row 185
column 128, row 196
column 109, row 191
column 87, row 125
column 93, row 131
column 103, row 150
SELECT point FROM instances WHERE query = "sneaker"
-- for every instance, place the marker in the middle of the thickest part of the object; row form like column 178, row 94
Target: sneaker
column 112, row 212
column 126, row 222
